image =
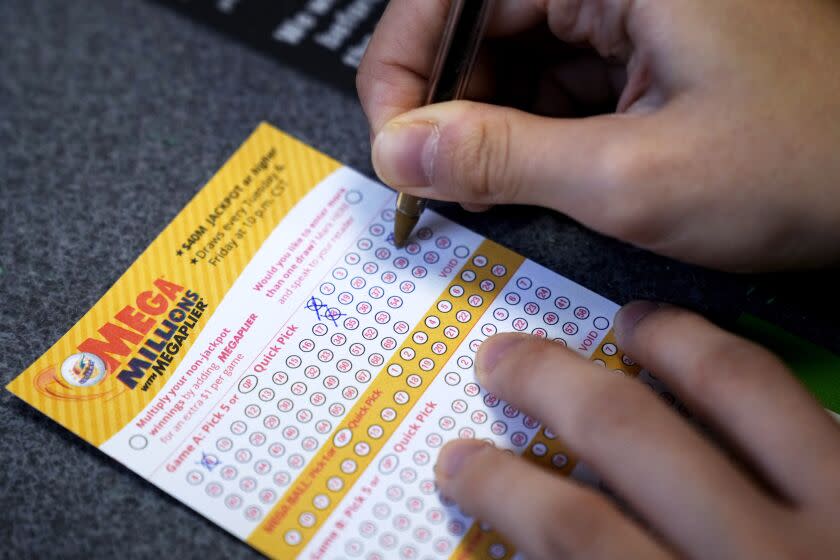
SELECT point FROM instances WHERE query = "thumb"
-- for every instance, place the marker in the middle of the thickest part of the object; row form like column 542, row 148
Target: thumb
column 484, row 154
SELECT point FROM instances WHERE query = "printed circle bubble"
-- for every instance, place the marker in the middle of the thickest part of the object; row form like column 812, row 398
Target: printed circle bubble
column 420, row 337
column 562, row 303
column 497, row 551
column 388, row 414
column 601, row 323
column 559, row 460
column 335, row 483
column 276, row 449
column 292, row 537
column 233, row 501
column 498, row 270
column 138, row 442
column 581, row 312
column 248, row 484
column 247, row 384
column 353, row 197
column 461, row 252
column 388, row 463
column 321, row 501
column 195, row 477
column 243, row 455
column 214, row 489
column 267, row 496
column 224, row 444
column 394, row 493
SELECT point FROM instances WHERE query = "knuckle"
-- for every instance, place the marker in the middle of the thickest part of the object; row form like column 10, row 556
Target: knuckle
column 524, row 370
column 478, row 473
column 729, row 367
column 636, row 201
column 481, row 158
column 610, row 405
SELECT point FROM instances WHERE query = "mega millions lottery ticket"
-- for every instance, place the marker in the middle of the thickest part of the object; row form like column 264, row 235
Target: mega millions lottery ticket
column 274, row 362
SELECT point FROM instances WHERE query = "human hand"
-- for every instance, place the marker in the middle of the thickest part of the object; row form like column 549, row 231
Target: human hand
column 776, row 494
column 722, row 150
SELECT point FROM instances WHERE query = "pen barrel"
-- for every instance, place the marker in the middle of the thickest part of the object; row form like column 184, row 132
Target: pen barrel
column 458, row 50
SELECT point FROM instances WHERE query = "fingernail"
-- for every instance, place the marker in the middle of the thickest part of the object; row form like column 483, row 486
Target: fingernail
column 404, row 153
column 454, row 456
column 630, row 315
column 493, row 351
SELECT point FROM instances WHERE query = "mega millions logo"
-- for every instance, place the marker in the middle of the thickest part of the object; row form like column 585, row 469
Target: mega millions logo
column 133, row 350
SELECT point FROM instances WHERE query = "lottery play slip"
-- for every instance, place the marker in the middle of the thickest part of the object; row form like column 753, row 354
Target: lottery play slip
column 274, row 362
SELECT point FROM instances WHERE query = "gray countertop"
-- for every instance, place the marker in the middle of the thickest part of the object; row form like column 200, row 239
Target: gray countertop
column 112, row 115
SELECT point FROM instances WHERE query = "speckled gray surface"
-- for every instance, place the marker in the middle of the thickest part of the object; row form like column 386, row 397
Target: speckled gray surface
column 112, row 115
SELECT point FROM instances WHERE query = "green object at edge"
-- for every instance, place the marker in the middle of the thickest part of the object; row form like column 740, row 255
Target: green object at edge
column 817, row 368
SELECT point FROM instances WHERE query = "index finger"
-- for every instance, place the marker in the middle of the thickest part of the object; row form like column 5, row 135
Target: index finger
column 394, row 72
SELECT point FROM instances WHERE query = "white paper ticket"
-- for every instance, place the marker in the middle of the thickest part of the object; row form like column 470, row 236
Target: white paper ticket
column 273, row 361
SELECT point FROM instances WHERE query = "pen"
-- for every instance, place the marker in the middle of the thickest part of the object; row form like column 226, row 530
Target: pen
column 449, row 80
